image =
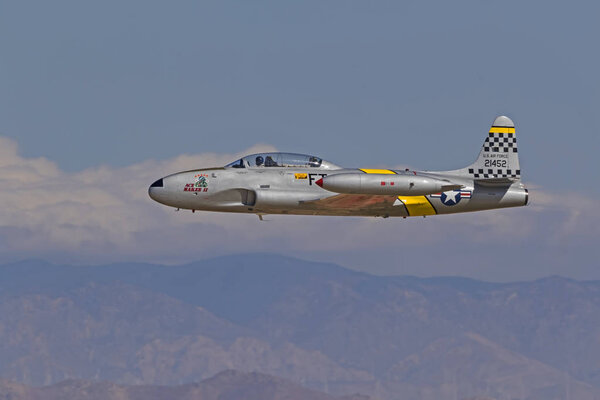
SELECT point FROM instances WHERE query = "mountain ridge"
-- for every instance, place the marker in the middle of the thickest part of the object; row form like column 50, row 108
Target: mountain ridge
column 334, row 329
column 226, row 385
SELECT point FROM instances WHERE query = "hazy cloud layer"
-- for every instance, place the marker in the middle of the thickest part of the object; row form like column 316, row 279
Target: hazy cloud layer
column 104, row 214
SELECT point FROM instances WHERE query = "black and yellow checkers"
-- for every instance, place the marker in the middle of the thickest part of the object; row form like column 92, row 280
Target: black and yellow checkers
column 498, row 159
column 503, row 141
column 416, row 206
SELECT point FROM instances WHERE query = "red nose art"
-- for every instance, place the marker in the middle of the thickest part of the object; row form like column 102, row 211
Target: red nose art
column 320, row 182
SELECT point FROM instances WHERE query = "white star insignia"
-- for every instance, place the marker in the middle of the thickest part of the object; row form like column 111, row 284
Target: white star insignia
column 451, row 196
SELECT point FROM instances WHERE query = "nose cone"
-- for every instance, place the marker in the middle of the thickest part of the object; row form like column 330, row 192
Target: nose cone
column 155, row 190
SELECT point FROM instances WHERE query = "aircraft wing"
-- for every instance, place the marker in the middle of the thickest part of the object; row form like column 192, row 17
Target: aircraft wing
column 353, row 202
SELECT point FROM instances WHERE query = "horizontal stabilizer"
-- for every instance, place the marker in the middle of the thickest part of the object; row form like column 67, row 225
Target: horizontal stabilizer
column 496, row 181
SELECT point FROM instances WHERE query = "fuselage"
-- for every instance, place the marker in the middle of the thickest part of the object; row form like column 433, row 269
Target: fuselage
column 283, row 187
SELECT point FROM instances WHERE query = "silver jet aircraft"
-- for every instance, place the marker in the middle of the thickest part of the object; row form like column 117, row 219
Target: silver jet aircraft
column 285, row 183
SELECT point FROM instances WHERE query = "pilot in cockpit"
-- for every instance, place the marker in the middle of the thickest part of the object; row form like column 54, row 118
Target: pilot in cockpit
column 269, row 162
column 314, row 162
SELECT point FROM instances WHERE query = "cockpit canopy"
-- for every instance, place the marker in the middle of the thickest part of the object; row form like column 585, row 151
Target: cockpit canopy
column 281, row 160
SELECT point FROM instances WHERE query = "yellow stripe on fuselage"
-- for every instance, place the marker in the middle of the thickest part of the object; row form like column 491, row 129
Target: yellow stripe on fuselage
column 500, row 129
column 377, row 171
column 417, row 205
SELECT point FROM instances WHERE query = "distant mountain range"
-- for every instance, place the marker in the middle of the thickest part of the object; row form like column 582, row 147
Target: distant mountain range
column 319, row 325
column 227, row 385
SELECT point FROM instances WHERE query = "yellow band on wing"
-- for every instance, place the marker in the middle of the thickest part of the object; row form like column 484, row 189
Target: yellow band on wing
column 417, row 205
column 500, row 129
column 377, row 171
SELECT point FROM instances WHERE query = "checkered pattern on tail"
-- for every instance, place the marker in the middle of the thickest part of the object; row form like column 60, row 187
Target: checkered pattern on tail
column 500, row 142
column 499, row 156
column 498, row 160
column 481, row 173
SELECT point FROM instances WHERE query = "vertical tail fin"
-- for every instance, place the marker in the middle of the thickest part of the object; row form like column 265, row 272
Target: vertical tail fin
column 498, row 160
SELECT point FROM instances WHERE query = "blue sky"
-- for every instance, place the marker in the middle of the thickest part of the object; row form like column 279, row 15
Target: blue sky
column 112, row 87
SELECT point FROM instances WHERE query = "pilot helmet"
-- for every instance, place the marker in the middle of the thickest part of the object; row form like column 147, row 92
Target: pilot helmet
column 259, row 160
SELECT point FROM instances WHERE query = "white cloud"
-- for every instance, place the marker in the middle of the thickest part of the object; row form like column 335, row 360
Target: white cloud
column 104, row 214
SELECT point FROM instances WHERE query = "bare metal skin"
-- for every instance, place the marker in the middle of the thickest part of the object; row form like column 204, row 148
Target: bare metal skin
column 283, row 183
